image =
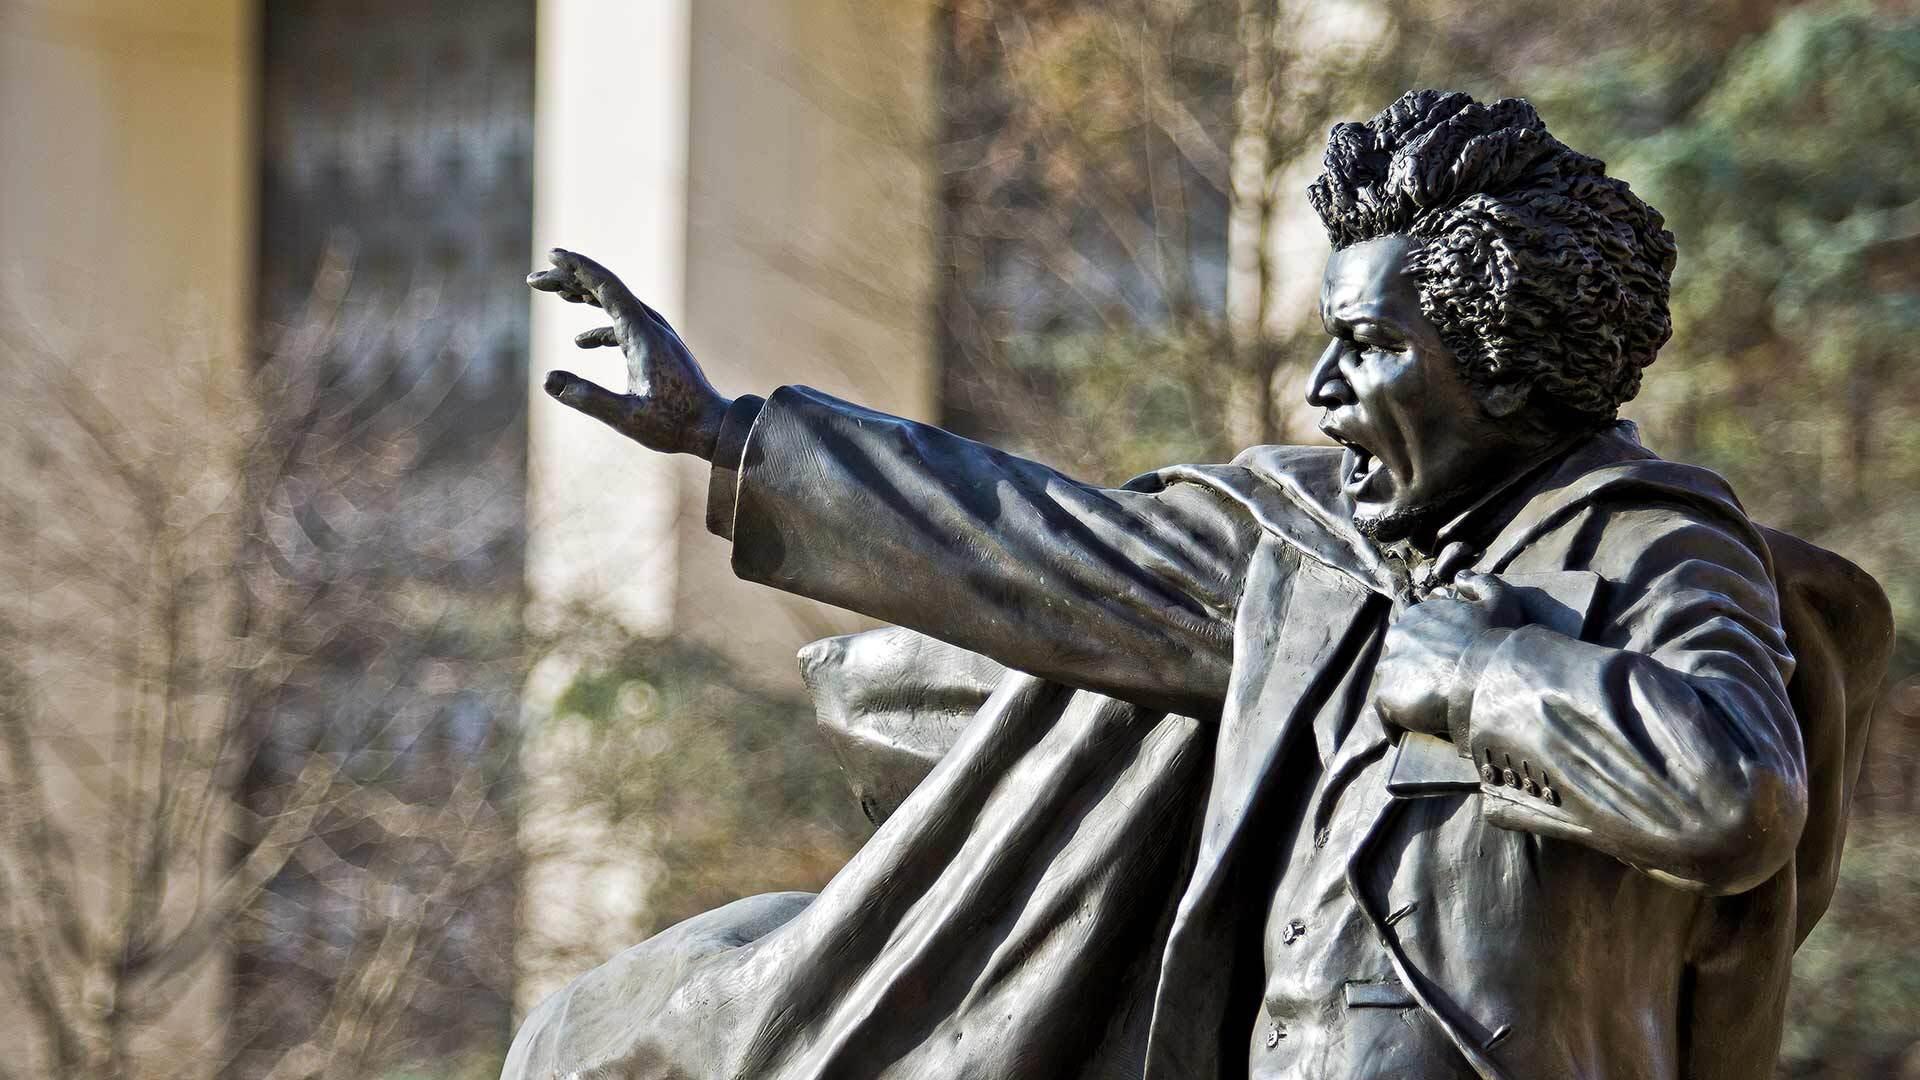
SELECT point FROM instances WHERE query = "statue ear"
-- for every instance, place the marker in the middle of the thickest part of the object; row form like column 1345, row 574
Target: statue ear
column 1503, row 399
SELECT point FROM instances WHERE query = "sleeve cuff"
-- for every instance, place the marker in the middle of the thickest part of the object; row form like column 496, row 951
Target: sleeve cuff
column 723, row 487
column 1466, row 680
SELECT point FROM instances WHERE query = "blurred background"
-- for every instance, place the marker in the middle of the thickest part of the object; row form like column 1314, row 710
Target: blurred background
column 352, row 697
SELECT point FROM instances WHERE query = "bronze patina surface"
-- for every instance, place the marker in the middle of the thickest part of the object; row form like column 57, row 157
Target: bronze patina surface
column 1487, row 743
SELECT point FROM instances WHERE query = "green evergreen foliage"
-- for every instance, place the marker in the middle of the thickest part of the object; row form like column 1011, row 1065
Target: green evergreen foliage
column 1785, row 168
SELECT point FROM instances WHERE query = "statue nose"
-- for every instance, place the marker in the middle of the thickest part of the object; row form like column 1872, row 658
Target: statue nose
column 1327, row 387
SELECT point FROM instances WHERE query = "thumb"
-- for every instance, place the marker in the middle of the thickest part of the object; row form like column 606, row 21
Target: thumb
column 1480, row 588
column 611, row 409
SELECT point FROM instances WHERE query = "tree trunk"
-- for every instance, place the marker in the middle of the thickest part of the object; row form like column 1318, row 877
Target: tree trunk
column 1249, row 221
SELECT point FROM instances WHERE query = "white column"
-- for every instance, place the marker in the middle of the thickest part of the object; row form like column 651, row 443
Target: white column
column 759, row 170
column 610, row 181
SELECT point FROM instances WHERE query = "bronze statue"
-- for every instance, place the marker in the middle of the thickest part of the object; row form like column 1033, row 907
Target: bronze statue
column 1485, row 744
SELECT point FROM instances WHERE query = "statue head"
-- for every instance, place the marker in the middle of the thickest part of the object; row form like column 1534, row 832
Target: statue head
column 1524, row 287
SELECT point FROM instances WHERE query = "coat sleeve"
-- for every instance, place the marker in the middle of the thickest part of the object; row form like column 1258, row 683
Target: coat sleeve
column 1122, row 592
column 1665, row 738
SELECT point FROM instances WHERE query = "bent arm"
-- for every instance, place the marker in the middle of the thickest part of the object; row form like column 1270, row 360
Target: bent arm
column 1127, row 593
column 1669, row 742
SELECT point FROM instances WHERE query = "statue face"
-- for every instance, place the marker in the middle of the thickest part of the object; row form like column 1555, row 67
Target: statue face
column 1418, row 440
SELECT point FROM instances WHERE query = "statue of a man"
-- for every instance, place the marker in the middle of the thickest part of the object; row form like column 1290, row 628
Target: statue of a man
column 1472, row 747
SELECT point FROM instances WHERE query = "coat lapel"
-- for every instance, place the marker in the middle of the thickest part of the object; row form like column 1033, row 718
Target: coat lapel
column 1301, row 627
column 1304, row 634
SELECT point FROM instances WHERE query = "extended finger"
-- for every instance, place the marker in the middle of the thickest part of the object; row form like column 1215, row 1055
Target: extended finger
column 598, row 338
column 563, row 283
column 579, row 273
column 608, row 290
column 591, row 398
column 550, row 280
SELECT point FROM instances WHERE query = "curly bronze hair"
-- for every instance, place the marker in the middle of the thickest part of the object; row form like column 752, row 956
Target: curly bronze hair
column 1535, row 264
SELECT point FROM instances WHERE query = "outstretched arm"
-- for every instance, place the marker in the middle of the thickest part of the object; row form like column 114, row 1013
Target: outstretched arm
column 1123, row 592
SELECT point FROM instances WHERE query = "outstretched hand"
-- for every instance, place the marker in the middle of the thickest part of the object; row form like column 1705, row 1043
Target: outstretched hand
column 669, row 405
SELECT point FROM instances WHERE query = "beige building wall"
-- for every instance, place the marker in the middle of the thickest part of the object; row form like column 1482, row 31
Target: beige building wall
column 126, row 181
column 811, row 218
column 761, row 172
column 758, row 170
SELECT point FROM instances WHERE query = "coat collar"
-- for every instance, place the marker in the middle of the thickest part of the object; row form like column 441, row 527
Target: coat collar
column 1294, row 493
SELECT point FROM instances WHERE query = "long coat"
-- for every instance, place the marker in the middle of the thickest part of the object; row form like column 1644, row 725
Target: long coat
column 1072, row 890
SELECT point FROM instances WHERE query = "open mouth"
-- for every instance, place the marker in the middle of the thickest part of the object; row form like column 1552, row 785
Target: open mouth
column 1361, row 465
column 1362, row 468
